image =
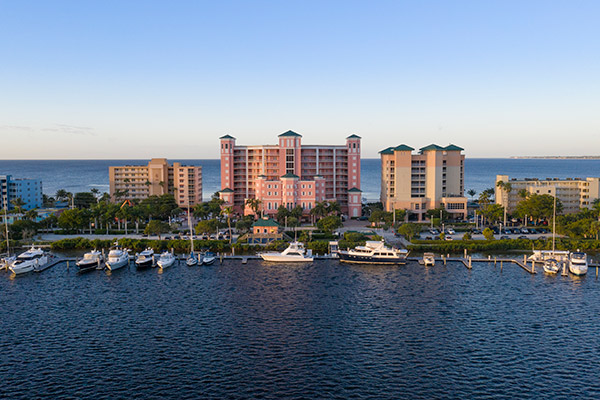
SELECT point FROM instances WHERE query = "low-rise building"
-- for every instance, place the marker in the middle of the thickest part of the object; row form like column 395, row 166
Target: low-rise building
column 429, row 179
column 264, row 231
column 573, row 193
column 28, row 190
column 157, row 178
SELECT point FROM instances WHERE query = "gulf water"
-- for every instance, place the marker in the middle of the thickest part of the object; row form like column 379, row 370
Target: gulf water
column 317, row 331
column 480, row 173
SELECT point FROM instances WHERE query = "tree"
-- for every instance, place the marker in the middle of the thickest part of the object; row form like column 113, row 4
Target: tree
column 155, row 227
column 296, row 212
column 472, row 193
column 488, row 234
column 201, row 210
column 380, row 216
column 329, row 223
column 74, row 219
column 333, row 208
column 282, row 214
column 319, row 210
column 538, row 206
column 47, row 201
column 18, row 204
column 255, row 205
column 206, row 226
column 244, row 224
column 62, row 195
column 84, row 200
column 228, row 211
column 435, row 213
column 506, row 188
column 400, row 215
column 467, row 236
column 31, row 215
column 409, row 231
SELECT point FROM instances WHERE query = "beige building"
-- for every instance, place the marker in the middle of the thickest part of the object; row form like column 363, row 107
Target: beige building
column 157, row 178
column 417, row 182
column 574, row 194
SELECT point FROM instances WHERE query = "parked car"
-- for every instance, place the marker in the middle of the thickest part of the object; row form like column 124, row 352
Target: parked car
column 524, row 231
column 448, row 237
column 522, row 237
column 533, row 230
column 450, row 231
column 504, row 237
column 434, row 231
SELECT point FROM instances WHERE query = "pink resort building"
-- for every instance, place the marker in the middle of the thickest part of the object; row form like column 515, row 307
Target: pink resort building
column 291, row 174
column 432, row 178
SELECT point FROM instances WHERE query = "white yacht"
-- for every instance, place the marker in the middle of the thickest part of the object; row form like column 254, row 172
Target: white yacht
column 374, row 252
column 7, row 261
column 208, row 258
column 117, row 258
column 145, row 259
column 90, row 260
column 29, row 261
column 295, row 252
column 428, row 259
column 166, row 260
column 578, row 264
column 551, row 266
column 193, row 260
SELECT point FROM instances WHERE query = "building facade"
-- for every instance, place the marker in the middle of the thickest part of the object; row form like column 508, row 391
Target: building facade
column 157, row 178
column 429, row 179
column 574, row 194
column 291, row 174
column 28, row 190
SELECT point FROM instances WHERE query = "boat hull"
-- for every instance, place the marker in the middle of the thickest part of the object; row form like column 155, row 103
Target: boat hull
column 190, row 262
column 165, row 264
column 87, row 266
column 117, row 264
column 578, row 269
column 143, row 264
column 357, row 259
column 276, row 257
column 208, row 260
column 20, row 270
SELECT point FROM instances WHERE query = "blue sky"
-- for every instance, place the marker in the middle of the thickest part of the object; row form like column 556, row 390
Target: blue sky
column 127, row 79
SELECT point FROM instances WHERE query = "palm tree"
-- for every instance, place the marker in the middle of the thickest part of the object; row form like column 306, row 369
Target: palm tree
column 18, row 204
column 31, row 215
column 319, row 210
column 472, row 193
column 333, row 208
column 254, row 205
column 61, row 195
column 506, row 188
column 227, row 211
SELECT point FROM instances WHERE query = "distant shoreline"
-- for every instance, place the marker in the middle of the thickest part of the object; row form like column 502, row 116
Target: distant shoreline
column 557, row 157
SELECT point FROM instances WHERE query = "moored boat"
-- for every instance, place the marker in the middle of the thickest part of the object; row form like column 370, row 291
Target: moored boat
column 117, row 258
column 90, row 260
column 295, row 252
column 208, row 258
column 166, row 260
column 29, row 261
column 374, row 252
column 145, row 259
column 428, row 259
column 551, row 266
column 578, row 263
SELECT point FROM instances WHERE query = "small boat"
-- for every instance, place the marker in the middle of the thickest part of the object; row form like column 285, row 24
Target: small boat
column 166, row 260
column 545, row 255
column 31, row 260
column 578, row 264
column 208, row 258
column 374, row 252
column 145, row 259
column 295, row 252
column 7, row 261
column 428, row 259
column 117, row 258
column 551, row 266
column 90, row 260
column 192, row 260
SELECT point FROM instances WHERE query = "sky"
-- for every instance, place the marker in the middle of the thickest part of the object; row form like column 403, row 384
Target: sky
column 140, row 79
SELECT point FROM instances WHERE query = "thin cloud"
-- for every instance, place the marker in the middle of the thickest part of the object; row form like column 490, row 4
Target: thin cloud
column 71, row 130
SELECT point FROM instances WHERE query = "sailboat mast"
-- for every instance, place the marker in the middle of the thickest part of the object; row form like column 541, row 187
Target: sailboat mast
column 6, row 227
column 554, row 224
column 190, row 226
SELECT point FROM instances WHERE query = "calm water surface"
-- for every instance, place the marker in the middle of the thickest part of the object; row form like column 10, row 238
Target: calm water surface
column 305, row 331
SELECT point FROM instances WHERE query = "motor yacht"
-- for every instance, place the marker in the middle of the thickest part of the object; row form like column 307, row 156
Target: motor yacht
column 166, row 260
column 295, row 252
column 117, row 258
column 374, row 252
column 578, row 263
column 90, row 260
column 208, row 258
column 551, row 266
column 428, row 259
column 145, row 259
column 31, row 260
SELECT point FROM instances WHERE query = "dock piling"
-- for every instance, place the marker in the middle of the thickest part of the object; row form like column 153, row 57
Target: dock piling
column 495, row 260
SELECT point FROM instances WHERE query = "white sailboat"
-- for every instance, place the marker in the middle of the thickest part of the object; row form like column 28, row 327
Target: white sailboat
column 552, row 265
column 8, row 260
column 192, row 259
